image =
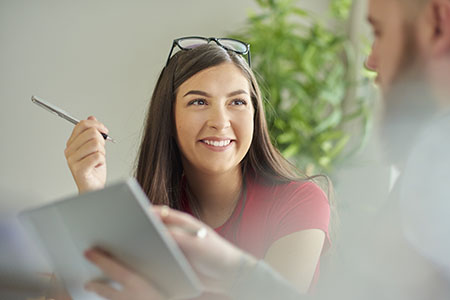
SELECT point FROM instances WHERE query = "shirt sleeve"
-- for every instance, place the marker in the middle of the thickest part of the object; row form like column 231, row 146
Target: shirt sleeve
column 301, row 206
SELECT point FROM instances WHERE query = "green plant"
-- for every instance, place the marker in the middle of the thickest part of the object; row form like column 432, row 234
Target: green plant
column 341, row 8
column 303, row 67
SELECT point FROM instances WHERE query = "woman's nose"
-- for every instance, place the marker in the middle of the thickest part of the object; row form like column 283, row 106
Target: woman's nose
column 219, row 118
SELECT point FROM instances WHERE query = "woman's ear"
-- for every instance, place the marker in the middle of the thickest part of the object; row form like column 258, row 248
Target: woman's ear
column 441, row 15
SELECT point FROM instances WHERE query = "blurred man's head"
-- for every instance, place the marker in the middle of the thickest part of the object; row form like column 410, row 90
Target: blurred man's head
column 411, row 54
column 408, row 33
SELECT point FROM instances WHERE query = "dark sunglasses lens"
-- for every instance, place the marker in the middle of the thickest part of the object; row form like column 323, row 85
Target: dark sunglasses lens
column 234, row 45
column 191, row 43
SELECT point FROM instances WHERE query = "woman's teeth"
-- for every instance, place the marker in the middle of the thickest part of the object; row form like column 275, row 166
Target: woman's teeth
column 217, row 143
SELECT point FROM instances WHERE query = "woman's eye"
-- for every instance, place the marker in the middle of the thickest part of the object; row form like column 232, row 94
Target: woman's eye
column 197, row 102
column 239, row 102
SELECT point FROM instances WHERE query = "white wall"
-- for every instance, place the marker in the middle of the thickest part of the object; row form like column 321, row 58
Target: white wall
column 87, row 57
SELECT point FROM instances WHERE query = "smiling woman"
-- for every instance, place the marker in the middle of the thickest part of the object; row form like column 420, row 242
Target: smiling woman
column 206, row 151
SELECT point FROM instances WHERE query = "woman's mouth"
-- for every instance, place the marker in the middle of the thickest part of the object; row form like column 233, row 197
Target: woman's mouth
column 222, row 143
column 217, row 145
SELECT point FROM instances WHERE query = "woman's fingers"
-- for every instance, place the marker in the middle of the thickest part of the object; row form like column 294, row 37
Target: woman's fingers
column 102, row 289
column 110, row 267
column 85, row 154
column 84, row 166
column 213, row 258
column 84, row 125
column 88, row 135
column 132, row 285
column 184, row 229
column 90, row 146
column 189, row 233
column 86, row 143
column 173, row 217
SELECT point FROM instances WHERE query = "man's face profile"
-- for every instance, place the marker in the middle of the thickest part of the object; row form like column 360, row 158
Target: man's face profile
column 394, row 45
column 394, row 54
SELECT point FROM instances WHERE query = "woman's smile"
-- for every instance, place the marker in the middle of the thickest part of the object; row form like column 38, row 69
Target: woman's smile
column 217, row 144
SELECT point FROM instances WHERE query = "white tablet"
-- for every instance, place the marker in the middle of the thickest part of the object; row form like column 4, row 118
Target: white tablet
column 118, row 220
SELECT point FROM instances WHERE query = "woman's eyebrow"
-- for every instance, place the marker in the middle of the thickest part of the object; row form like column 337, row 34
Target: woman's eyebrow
column 238, row 92
column 197, row 92
column 205, row 94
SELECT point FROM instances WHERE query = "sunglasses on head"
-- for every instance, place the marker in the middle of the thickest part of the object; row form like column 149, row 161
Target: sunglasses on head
column 191, row 42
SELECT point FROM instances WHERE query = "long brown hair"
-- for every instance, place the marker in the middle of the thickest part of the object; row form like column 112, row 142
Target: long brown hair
column 159, row 169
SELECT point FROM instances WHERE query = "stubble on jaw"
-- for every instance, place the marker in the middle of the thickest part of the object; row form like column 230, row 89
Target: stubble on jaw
column 403, row 99
column 410, row 58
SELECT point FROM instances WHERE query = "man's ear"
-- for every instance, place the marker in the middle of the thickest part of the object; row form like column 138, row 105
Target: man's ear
column 441, row 15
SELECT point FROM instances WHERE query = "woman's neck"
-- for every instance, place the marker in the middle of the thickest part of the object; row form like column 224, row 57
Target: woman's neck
column 216, row 196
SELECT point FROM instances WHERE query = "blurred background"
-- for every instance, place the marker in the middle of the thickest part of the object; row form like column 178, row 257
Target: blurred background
column 102, row 58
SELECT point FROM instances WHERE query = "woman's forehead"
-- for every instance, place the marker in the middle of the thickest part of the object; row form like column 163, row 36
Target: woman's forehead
column 221, row 79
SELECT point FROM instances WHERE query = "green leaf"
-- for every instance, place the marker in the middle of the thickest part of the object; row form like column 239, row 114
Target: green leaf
column 287, row 137
column 299, row 12
column 291, row 150
column 332, row 120
column 339, row 147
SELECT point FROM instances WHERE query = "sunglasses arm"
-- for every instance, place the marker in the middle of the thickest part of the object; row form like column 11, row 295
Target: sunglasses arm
column 170, row 53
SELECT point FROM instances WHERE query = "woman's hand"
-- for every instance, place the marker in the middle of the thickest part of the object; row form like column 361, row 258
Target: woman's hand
column 85, row 155
column 216, row 261
column 133, row 286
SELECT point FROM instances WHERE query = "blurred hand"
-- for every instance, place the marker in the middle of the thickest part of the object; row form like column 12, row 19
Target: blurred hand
column 133, row 286
column 85, row 155
column 215, row 260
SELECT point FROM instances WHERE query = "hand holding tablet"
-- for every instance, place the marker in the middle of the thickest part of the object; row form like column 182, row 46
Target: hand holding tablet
column 118, row 220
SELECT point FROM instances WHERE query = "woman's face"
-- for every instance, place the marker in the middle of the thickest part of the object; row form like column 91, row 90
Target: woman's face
column 214, row 119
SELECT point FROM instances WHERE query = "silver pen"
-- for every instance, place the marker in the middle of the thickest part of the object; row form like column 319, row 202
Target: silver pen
column 61, row 113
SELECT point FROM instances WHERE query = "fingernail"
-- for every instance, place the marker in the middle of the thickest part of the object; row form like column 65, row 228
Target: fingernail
column 165, row 211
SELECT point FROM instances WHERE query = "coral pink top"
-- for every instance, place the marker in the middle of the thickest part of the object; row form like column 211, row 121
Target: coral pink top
column 267, row 212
